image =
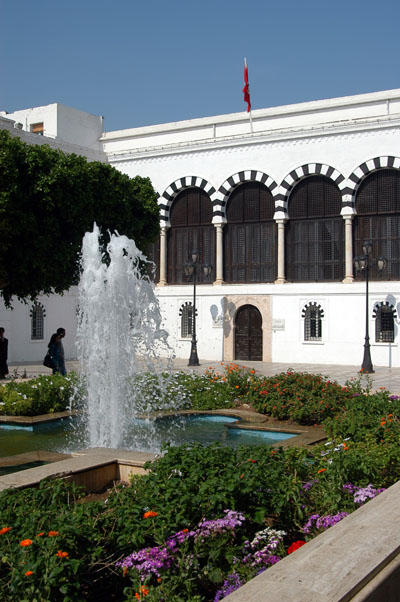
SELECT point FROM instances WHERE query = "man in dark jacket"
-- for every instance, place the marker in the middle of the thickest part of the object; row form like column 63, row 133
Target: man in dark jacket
column 3, row 354
column 61, row 333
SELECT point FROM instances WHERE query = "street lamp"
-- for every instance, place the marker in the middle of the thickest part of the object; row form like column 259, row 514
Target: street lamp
column 190, row 269
column 362, row 263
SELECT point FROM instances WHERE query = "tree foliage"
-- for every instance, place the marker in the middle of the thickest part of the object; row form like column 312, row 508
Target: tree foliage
column 48, row 200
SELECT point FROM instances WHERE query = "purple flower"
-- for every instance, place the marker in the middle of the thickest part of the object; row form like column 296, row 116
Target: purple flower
column 207, row 528
column 231, row 584
column 323, row 522
column 307, row 486
column 150, row 561
column 394, row 397
column 363, row 494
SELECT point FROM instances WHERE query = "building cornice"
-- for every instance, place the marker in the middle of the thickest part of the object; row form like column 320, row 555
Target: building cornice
column 288, row 135
column 304, row 108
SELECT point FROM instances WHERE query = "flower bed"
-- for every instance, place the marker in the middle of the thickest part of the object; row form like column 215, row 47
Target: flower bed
column 42, row 395
column 203, row 520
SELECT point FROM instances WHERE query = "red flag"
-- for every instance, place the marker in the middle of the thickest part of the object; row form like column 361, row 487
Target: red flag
column 246, row 90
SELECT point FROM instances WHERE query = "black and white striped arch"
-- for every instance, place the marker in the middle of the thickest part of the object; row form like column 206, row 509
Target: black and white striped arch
column 309, row 169
column 235, row 180
column 166, row 199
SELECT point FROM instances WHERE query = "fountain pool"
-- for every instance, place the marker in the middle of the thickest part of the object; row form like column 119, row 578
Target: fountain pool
column 67, row 435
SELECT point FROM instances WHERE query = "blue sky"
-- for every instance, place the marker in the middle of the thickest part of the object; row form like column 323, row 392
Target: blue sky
column 152, row 61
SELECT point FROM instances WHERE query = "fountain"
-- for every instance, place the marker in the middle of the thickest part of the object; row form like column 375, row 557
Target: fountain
column 120, row 341
column 119, row 336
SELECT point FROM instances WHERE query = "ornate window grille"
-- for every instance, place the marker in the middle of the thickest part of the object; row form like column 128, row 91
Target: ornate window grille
column 191, row 228
column 250, row 235
column 315, row 232
column 37, row 314
column 312, row 314
column 186, row 315
column 384, row 314
column 378, row 220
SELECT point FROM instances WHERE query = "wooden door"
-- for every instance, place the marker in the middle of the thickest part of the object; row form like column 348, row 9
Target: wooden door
column 248, row 334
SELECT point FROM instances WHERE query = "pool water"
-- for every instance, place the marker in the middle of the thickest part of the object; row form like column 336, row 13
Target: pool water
column 207, row 428
column 68, row 435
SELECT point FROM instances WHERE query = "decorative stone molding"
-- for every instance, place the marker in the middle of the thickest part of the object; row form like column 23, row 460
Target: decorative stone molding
column 313, row 305
column 378, row 306
column 308, row 169
column 166, row 199
column 249, row 175
column 231, row 305
column 363, row 170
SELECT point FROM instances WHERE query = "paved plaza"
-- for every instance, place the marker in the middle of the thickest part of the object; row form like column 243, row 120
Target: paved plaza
column 382, row 377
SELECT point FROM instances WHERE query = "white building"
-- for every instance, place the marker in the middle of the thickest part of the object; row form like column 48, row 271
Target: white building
column 279, row 207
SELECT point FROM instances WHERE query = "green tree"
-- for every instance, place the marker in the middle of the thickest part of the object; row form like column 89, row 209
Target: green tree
column 48, row 200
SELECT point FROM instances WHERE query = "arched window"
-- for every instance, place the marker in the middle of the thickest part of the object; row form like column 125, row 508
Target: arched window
column 37, row 314
column 315, row 232
column 250, row 235
column 312, row 314
column 384, row 315
column 186, row 315
column 378, row 220
column 191, row 229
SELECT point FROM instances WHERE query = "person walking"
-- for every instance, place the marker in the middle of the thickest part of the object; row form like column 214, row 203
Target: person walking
column 54, row 352
column 61, row 333
column 3, row 354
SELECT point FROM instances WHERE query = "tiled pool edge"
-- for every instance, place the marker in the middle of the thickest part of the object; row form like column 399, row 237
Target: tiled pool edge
column 94, row 469
column 247, row 420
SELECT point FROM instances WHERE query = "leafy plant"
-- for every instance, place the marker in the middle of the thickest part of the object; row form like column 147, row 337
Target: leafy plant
column 42, row 395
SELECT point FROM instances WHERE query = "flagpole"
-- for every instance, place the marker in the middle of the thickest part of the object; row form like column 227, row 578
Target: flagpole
column 248, row 93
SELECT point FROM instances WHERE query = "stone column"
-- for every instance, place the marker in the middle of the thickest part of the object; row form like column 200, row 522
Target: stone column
column 219, row 272
column 281, row 251
column 163, row 256
column 348, row 235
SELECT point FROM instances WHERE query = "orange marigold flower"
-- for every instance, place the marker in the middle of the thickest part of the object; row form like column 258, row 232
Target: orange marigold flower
column 321, row 470
column 40, row 534
column 237, row 386
column 150, row 514
column 5, row 530
column 143, row 591
column 25, row 543
column 62, row 554
column 53, row 533
column 28, row 573
column 185, row 530
column 125, row 572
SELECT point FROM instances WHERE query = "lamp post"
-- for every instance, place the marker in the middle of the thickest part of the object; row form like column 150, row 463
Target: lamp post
column 362, row 263
column 190, row 269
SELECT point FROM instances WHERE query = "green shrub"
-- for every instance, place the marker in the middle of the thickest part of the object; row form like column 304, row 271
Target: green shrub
column 299, row 396
column 42, row 395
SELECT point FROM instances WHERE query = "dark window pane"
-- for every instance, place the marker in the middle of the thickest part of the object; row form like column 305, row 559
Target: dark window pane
column 250, row 235
column 378, row 220
column 191, row 229
column 315, row 232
